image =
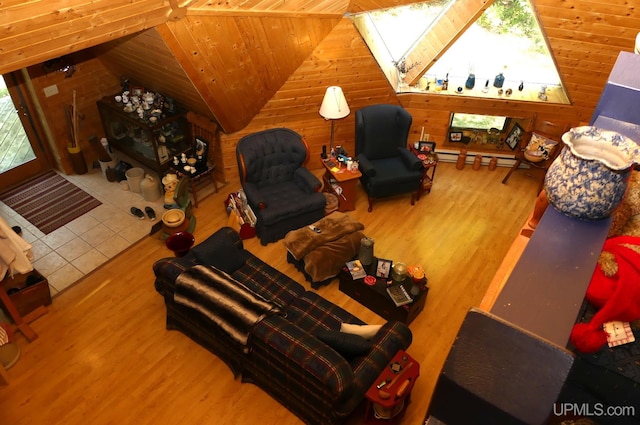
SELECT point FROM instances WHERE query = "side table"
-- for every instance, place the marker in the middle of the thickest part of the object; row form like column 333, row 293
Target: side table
column 390, row 394
column 344, row 186
column 376, row 298
column 429, row 164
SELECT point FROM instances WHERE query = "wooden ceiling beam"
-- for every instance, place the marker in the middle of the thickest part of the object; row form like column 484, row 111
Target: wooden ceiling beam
column 444, row 32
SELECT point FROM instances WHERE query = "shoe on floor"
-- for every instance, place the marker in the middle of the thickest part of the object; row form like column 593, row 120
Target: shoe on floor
column 150, row 213
column 137, row 212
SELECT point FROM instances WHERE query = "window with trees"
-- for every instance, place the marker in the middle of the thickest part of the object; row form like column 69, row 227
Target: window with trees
column 500, row 53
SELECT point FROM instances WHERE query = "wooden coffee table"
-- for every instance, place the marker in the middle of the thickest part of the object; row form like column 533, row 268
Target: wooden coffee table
column 376, row 298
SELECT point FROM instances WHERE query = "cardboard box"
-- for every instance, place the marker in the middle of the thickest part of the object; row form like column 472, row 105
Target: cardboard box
column 28, row 298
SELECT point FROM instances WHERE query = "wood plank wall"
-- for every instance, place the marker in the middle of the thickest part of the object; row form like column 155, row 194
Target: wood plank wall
column 91, row 81
column 274, row 66
column 342, row 59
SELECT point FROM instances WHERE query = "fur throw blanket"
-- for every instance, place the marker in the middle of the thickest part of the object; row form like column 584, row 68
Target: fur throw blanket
column 226, row 303
column 300, row 242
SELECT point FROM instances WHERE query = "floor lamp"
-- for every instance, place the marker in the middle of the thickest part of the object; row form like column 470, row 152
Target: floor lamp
column 334, row 106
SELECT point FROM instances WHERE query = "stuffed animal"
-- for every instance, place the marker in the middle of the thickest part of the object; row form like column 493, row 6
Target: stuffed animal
column 615, row 285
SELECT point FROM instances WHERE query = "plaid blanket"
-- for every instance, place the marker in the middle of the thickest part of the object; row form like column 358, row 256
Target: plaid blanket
column 225, row 302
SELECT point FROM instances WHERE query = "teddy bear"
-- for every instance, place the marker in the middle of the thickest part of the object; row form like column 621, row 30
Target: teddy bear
column 614, row 288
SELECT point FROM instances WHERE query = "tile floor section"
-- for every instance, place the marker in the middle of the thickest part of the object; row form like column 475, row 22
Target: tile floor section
column 74, row 250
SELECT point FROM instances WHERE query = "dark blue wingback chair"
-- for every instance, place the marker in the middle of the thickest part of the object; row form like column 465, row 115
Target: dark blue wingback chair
column 388, row 167
column 283, row 194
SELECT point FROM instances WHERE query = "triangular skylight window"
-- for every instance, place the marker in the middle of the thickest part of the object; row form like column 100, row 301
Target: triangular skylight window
column 419, row 46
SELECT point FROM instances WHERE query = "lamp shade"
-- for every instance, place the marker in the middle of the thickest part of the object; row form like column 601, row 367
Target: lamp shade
column 334, row 105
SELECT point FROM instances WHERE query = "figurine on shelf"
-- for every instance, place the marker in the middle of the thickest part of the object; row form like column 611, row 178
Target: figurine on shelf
column 124, row 83
column 170, row 182
column 169, row 105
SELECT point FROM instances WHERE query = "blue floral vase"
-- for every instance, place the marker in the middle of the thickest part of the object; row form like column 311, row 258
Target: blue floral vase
column 589, row 178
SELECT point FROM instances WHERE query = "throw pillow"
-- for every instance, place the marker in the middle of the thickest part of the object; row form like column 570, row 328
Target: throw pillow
column 365, row 331
column 540, row 147
column 224, row 256
column 347, row 345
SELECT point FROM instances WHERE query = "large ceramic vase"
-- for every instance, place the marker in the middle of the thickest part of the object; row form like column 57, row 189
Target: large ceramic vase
column 589, row 178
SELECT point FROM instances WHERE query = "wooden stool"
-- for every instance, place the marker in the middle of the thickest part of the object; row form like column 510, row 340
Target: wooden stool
column 202, row 180
column 390, row 394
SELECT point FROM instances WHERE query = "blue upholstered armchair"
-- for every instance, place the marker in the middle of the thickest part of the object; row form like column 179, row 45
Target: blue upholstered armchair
column 388, row 167
column 283, row 194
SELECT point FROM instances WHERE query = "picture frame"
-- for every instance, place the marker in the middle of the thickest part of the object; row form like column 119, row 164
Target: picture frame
column 201, row 151
column 426, row 147
column 514, row 136
column 201, row 148
column 455, row 136
column 137, row 91
column 383, row 268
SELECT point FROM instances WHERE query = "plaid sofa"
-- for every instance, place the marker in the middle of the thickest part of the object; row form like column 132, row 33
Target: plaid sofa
column 285, row 358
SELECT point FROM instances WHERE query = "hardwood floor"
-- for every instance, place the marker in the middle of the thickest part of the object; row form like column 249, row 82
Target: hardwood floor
column 105, row 357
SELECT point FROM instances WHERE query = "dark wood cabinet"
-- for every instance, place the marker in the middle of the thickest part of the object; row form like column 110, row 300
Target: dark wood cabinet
column 152, row 140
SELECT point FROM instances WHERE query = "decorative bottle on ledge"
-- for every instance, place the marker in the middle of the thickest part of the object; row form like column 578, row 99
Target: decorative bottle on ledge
column 471, row 82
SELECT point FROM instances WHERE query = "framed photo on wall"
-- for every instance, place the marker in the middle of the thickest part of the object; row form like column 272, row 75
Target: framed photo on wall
column 426, row 147
column 455, row 136
column 513, row 139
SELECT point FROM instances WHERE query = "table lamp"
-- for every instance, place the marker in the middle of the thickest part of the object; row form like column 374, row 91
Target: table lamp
column 334, row 106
